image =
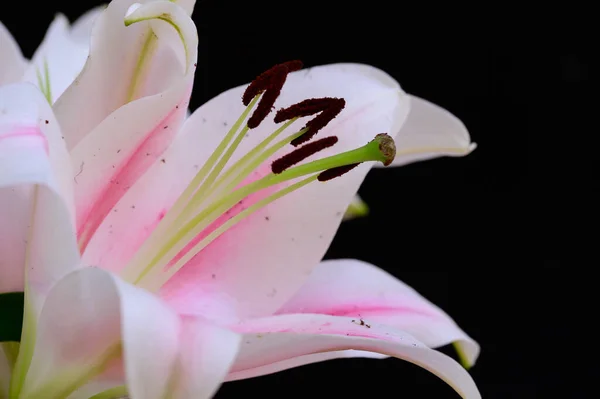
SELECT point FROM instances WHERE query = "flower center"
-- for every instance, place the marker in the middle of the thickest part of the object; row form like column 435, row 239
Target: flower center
column 216, row 190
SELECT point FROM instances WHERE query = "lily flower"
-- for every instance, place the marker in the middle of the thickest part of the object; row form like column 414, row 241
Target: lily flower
column 161, row 259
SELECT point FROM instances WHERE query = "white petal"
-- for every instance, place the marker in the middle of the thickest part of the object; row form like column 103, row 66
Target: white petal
column 61, row 54
column 430, row 132
column 187, row 5
column 35, row 182
column 300, row 226
column 81, row 30
column 13, row 63
column 278, row 338
column 348, row 287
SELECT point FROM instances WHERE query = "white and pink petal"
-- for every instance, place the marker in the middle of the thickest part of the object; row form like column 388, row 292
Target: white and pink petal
column 114, row 135
column 352, row 288
column 89, row 319
column 92, row 321
column 35, row 192
column 277, row 339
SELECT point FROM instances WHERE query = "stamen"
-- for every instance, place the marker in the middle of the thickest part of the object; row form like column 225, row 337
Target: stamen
column 336, row 172
column 215, row 191
column 269, row 83
column 300, row 154
column 372, row 151
column 253, row 159
column 328, row 107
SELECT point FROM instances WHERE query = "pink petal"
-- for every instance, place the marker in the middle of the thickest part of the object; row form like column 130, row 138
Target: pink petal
column 279, row 338
column 357, row 289
column 113, row 143
column 35, row 186
column 13, row 63
column 431, row 132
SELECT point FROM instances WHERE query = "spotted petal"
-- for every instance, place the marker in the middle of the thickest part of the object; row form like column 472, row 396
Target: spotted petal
column 278, row 339
column 348, row 287
column 258, row 264
column 13, row 63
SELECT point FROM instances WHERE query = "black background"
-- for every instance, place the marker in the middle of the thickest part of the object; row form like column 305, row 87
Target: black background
column 484, row 236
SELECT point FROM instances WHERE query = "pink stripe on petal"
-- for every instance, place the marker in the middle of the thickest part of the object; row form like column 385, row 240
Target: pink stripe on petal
column 27, row 131
column 206, row 284
column 126, row 174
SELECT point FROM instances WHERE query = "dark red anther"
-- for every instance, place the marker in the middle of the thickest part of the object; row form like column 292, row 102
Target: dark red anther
column 336, row 172
column 300, row 154
column 327, row 107
column 269, row 83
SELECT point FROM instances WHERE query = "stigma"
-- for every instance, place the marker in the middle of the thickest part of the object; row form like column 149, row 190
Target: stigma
column 207, row 207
